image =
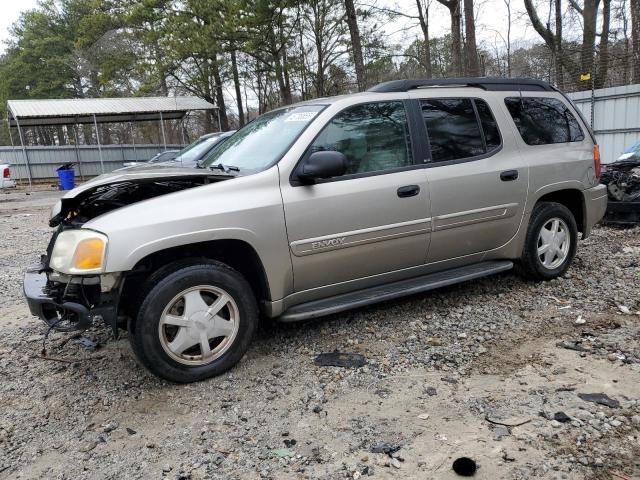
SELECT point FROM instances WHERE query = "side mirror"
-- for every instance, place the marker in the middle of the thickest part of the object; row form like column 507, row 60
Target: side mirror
column 323, row 164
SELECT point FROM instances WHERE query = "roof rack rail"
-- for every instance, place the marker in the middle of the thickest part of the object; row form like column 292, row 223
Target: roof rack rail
column 486, row 83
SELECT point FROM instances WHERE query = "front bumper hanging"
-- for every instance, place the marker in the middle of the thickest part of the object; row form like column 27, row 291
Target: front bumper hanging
column 67, row 315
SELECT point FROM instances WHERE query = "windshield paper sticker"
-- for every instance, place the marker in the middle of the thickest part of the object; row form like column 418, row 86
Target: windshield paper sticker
column 300, row 117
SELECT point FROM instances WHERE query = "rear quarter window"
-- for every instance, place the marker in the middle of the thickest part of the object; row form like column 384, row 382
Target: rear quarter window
column 544, row 121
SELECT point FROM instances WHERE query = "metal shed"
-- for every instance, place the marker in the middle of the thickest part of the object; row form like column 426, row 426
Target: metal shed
column 23, row 113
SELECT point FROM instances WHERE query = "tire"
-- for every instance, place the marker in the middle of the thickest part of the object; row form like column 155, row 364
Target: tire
column 195, row 323
column 539, row 263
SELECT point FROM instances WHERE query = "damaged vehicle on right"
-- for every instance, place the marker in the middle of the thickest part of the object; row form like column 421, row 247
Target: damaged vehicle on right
column 622, row 179
column 321, row 207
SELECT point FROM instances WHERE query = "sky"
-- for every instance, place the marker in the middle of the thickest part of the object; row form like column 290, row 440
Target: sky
column 10, row 10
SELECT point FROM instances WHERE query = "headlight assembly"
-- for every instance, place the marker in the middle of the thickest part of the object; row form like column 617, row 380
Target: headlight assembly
column 78, row 252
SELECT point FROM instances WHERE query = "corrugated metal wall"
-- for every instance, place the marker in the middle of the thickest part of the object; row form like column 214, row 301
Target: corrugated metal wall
column 616, row 117
column 43, row 161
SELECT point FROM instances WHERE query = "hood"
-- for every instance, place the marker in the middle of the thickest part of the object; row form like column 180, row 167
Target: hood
column 126, row 186
column 142, row 173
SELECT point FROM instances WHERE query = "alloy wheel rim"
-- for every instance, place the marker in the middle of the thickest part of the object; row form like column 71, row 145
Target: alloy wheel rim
column 199, row 325
column 553, row 244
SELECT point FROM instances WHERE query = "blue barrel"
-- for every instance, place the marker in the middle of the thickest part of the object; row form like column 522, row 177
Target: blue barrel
column 67, row 179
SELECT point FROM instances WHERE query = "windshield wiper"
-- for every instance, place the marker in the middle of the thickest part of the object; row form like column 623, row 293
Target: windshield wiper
column 224, row 168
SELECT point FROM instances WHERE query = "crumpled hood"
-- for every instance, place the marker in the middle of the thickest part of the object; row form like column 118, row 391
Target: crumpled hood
column 124, row 187
column 136, row 174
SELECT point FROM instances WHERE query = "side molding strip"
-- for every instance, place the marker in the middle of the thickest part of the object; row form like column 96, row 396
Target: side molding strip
column 310, row 246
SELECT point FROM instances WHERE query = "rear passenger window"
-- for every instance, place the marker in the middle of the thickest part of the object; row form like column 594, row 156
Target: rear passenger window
column 543, row 121
column 456, row 132
column 373, row 136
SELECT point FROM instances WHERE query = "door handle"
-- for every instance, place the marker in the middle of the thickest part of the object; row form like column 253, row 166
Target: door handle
column 408, row 191
column 509, row 175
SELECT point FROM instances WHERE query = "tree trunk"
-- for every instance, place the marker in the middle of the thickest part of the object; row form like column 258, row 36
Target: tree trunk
column 285, row 91
column 222, row 109
column 354, row 32
column 635, row 40
column 508, row 5
column 589, row 17
column 456, row 40
column 423, row 17
column 557, row 52
column 473, row 67
column 603, row 57
column 236, row 82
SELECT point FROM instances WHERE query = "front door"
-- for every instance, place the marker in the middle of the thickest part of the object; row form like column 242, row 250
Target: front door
column 477, row 178
column 370, row 221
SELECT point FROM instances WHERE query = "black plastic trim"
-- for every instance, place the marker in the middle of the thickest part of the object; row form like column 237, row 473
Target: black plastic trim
column 486, row 83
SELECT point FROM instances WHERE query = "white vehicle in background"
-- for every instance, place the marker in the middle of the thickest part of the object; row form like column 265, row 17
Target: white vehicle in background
column 5, row 176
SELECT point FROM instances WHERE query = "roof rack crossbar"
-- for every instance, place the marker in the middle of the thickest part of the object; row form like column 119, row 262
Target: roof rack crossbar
column 485, row 83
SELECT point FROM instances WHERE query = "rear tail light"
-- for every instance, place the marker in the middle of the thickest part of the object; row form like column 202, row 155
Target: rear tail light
column 6, row 173
column 596, row 160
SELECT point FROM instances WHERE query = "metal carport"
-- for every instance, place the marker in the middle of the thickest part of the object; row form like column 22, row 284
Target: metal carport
column 23, row 113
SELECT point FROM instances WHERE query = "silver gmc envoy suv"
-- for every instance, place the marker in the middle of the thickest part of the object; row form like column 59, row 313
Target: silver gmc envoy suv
column 320, row 207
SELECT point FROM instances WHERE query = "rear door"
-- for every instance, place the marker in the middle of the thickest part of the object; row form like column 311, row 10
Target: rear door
column 478, row 181
column 370, row 221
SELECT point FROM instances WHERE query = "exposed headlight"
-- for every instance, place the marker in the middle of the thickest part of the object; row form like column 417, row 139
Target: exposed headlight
column 79, row 252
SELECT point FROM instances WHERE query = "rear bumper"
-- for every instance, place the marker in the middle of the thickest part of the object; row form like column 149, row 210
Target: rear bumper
column 7, row 183
column 595, row 203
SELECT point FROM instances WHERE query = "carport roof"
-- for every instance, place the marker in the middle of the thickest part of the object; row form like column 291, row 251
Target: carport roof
column 82, row 110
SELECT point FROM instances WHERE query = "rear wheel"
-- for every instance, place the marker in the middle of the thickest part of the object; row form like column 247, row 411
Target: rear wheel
column 551, row 242
column 195, row 323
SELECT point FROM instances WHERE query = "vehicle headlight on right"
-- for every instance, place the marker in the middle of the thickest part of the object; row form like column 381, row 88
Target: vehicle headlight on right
column 79, row 252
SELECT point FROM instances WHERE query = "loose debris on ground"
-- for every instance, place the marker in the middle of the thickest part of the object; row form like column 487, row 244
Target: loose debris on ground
column 496, row 370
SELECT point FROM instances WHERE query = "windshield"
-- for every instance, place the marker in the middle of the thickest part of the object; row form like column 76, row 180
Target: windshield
column 196, row 150
column 264, row 141
column 161, row 157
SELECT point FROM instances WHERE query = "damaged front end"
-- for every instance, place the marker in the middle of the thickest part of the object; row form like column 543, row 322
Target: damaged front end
column 69, row 288
column 622, row 179
column 68, row 303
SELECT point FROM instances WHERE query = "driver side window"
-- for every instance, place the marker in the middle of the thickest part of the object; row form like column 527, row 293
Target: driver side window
column 374, row 137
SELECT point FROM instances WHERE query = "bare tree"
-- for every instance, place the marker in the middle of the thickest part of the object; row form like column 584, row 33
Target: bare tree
column 588, row 12
column 507, row 4
column 473, row 65
column 603, row 49
column 236, row 84
column 351, row 18
column 635, row 40
column 456, row 35
column 423, row 18
column 325, row 30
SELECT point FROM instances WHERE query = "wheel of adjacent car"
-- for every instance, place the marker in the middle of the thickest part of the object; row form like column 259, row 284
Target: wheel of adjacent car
column 551, row 241
column 195, row 323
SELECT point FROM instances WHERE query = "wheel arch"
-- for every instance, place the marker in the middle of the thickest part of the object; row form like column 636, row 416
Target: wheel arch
column 569, row 196
column 237, row 254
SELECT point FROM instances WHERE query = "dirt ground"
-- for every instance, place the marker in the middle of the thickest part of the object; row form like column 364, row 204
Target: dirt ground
column 494, row 370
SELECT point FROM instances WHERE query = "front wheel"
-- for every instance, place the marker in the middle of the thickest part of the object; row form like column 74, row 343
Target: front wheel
column 195, row 323
column 551, row 242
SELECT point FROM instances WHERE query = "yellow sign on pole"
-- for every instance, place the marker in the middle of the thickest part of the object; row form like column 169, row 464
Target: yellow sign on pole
column 585, row 77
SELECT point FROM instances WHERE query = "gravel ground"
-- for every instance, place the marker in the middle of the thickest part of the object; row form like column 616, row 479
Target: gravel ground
column 491, row 369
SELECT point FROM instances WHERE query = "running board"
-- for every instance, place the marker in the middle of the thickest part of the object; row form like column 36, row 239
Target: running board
column 389, row 291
